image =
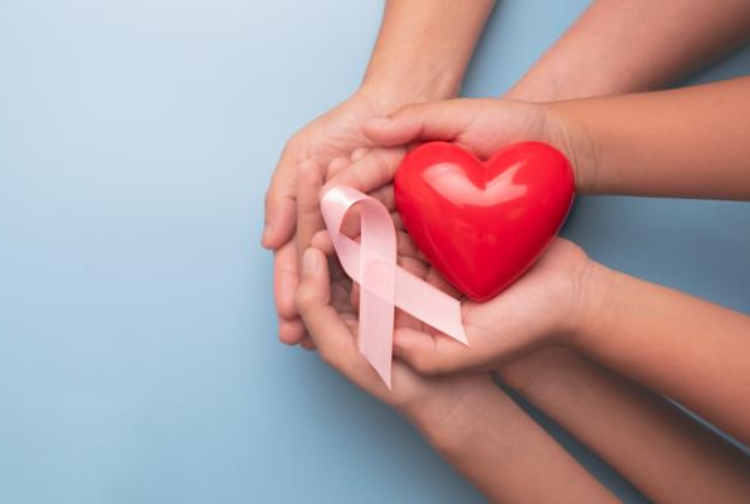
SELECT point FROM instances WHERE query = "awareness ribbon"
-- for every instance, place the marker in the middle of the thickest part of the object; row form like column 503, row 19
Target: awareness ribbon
column 383, row 284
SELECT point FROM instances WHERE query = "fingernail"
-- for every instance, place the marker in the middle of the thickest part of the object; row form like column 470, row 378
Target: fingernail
column 309, row 261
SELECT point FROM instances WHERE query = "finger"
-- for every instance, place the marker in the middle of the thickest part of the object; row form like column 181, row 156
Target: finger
column 328, row 330
column 428, row 354
column 372, row 171
column 385, row 196
column 291, row 332
column 414, row 266
column 322, row 241
column 397, row 220
column 359, row 154
column 309, row 218
column 336, row 166
column 325, row 326
column 286, row 280
column 437, row 280
column 280, row 203
column 441, row 120
column 351, row 224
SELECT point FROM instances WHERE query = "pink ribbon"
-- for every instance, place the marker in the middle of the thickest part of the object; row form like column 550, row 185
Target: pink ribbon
column 383, row 284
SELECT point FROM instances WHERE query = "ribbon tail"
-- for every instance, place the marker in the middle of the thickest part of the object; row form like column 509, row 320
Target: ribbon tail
column 376, row 334
column 430, row 305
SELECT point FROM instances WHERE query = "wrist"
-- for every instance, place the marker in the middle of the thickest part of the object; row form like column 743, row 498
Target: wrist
column 534, row 90
column 398, row 91
column 596, row 297
column 452, row 411
column 572, row 135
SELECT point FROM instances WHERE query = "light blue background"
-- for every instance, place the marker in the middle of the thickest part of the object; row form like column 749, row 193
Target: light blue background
column 138, row 356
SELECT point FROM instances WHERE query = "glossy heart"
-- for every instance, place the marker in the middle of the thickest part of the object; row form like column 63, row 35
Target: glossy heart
column 483, row 223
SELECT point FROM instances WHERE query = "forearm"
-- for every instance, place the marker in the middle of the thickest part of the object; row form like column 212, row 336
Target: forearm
column 424, row 47
column 691, row 142
column 619, row 47
column 667, row 455
column 688, row 349
column 500, row 449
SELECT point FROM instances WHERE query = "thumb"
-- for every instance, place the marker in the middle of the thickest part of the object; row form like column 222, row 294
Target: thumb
column 441, row 120
column 430, row 355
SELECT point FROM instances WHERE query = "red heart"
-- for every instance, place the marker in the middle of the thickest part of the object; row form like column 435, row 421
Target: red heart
column 482, row 224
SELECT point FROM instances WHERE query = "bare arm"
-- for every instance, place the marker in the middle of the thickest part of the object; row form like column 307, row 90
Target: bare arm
column 593, row 412
column 617, row 47
column 468, row 420
column 424, row 47
column 667, row 455
column 421, row 54
column 691, row 142
column 509, row 457
column 638, row 45
column 686, row 348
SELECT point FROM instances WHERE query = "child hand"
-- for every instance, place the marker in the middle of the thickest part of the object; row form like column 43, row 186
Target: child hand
column 549, row 305
column 482, row 126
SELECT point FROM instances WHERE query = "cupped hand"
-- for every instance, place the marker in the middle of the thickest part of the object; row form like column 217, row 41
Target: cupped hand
column 548, row 306
column 336, row 133
column 481, row 126
column 327, row 302
column 550, row 301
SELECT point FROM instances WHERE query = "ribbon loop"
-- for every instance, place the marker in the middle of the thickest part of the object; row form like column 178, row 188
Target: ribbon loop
column 383, row 284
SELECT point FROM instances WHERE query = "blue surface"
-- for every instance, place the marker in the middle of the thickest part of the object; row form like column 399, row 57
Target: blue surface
column 138, row 357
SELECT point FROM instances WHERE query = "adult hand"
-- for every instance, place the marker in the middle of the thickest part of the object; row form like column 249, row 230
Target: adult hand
column 326, row 301
column 465, row 417
column 336, row 133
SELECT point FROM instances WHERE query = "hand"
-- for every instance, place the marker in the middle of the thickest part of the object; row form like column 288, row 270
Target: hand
column 549, row 297
column 326, row 300
column 550, row 305
column 480, row 125
column 465, row 417
column 336, row 133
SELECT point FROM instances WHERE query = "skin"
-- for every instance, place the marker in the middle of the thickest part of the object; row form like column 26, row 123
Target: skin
column 459, row 414
column 409, row 64
column 619, row 47
column 643, row 323
column 665, row 437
